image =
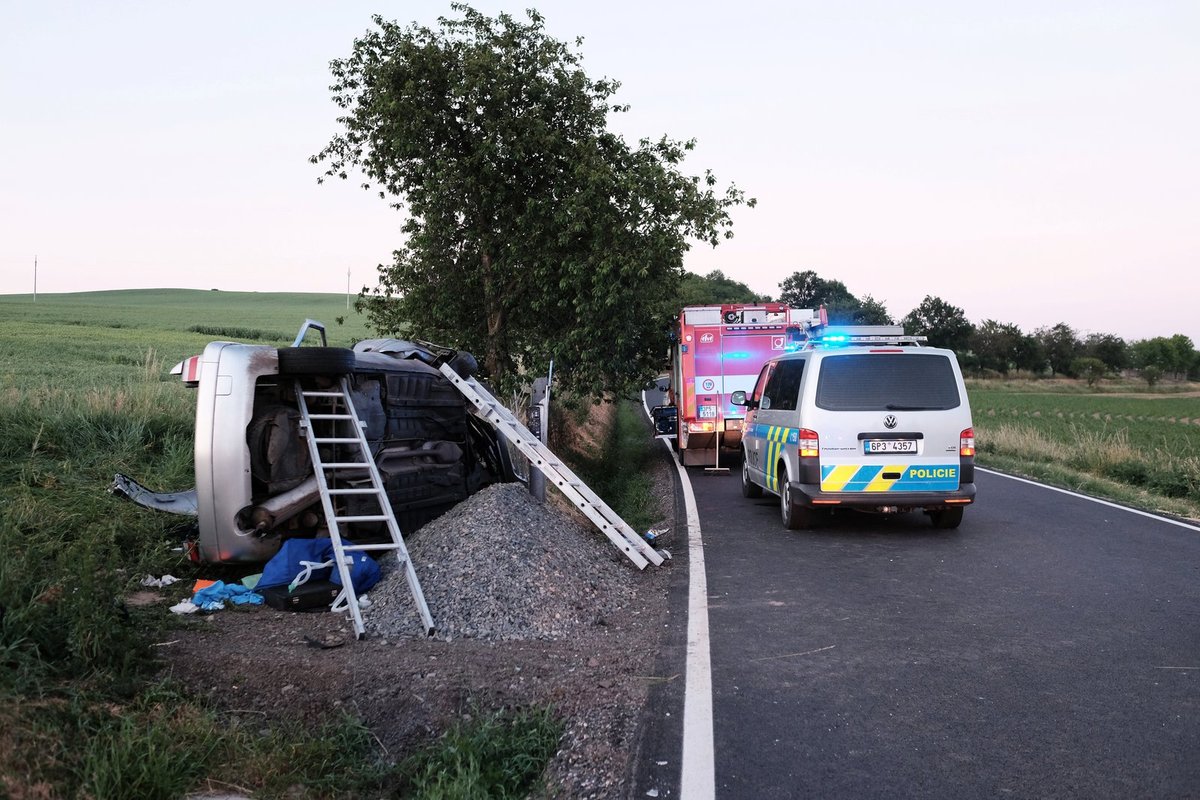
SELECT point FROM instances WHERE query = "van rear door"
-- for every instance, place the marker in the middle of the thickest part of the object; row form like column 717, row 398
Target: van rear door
column 889, row 420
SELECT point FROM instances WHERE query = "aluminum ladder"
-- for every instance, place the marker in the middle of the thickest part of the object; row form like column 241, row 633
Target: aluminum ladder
column 336, row 424
column 540, row 457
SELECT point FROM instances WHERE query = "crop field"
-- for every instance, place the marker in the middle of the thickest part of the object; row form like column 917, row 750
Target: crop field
column 93, row 338
column 84, row 393
column 1145, row 443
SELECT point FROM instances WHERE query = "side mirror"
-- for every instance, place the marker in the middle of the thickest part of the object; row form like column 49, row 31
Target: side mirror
column 738, row 398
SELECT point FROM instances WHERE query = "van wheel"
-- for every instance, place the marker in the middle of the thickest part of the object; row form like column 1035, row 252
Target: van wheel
column 749, row 489
column 315, row 360
column 795, row 517
column 947, row 517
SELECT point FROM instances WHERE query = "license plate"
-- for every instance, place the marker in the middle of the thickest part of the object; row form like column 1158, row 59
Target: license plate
column 890, row 446
column 708, row 412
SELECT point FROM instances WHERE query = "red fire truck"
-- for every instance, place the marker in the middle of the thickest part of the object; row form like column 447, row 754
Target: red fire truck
column 719, row 350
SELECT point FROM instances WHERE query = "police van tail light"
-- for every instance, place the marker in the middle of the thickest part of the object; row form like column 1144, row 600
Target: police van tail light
column 809, row 443
column 966, row 442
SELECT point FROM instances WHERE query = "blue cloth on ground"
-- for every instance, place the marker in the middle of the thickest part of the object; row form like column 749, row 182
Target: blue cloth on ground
column 212, row 598
column 285, row 565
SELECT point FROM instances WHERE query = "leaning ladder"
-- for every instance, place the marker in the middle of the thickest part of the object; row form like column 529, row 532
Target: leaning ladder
column 336, row 424
column 608, row 521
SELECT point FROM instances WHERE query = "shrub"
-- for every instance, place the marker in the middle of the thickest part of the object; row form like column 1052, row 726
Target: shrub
column 1090, row 369
column 1169, row 483
column 1134, row 473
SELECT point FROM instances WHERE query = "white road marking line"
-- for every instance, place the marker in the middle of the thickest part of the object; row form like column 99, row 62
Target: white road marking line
column 1139, row 512
column 697, row 780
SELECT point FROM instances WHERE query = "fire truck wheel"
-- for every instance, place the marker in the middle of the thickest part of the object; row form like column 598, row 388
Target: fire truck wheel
column 315, row 360
column 749, row 489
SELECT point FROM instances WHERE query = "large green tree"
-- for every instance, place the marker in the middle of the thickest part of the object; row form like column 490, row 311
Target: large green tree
column 944, row 324
column 1174, row 355
column 1061, row 346
column 532, row 231
column 807, row 289
column 1109, row 348
column 713, row 289
column 997, row 346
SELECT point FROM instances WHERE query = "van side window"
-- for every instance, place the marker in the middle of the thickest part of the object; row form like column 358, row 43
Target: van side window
column 783, row 389
column 761, row 384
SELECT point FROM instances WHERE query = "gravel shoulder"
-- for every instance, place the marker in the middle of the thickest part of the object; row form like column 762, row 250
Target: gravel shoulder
column 532, row 606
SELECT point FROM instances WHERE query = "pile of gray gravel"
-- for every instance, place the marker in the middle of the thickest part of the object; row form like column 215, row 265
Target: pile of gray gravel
column 502, row 566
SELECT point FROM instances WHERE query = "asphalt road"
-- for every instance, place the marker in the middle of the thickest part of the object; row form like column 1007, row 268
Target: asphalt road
column 1050, row 647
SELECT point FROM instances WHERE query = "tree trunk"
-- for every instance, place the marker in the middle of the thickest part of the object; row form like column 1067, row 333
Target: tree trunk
column 496, row 318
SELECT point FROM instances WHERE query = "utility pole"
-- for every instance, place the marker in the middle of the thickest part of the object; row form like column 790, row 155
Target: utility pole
column 35, row 279
column 347, row 288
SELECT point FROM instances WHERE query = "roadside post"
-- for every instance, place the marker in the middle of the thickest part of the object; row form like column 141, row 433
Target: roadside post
column 539, row 423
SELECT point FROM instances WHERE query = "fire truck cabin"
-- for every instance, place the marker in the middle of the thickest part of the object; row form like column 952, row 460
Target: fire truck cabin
column 719, row 350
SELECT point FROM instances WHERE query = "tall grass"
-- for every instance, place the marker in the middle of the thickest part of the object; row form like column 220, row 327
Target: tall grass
column 497, row 757
column 1148, row 444
column 84, row 394
column 618, row 470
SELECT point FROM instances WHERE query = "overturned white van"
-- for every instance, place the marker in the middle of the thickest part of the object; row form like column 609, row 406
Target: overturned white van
column 255, row 485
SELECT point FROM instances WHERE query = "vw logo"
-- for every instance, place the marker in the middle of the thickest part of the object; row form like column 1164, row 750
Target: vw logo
column 889, row 421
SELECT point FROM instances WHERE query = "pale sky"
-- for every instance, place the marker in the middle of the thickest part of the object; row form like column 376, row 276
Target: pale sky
column 1030, row 162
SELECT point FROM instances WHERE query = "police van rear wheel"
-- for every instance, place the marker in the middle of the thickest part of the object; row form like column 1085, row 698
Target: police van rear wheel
column 947, row 518
column 749, row 489
column 795, row 517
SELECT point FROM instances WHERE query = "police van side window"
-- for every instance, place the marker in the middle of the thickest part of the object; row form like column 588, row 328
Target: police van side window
column 783, row 388
column 761, row 384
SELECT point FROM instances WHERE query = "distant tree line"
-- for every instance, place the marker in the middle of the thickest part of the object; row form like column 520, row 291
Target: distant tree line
column 991, row 347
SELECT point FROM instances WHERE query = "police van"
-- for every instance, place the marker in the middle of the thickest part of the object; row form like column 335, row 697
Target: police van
column 860, row 417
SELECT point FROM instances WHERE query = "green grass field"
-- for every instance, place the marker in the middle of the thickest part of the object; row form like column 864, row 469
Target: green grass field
column 180, row 309
column 1137, row 447
column 84, row 393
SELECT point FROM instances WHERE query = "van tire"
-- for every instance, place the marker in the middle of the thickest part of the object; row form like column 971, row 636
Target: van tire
column 749, row 488
column 795, row 517
column 315, row 360
column 947, row 518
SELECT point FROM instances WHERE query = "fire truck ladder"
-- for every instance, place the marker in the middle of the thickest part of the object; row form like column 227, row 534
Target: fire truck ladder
column 335, row 424
column 540, row 457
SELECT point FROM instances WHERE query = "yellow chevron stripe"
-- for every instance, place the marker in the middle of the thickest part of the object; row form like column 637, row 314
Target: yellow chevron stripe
column 838, row 479
column 772, row 457
column 880, row 484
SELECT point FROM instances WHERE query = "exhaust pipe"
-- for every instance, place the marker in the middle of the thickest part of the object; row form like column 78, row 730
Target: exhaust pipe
column 275, row 511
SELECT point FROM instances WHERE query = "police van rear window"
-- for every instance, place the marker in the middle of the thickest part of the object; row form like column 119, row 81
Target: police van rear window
column 887, row 382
